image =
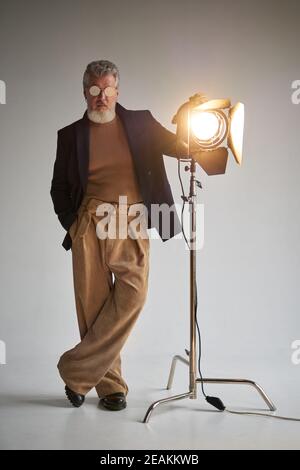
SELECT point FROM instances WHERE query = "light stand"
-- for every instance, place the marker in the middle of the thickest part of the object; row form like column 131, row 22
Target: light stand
column 191, row 361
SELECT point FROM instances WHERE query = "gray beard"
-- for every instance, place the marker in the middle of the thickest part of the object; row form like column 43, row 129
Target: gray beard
column 101, row 117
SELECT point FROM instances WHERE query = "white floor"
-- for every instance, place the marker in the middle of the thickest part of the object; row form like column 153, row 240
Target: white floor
column 35, row 414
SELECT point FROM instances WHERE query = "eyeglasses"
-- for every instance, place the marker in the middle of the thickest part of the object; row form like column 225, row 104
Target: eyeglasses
column 109, row 91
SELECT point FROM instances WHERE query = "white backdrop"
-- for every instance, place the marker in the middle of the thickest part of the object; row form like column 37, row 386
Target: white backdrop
column 248, row 269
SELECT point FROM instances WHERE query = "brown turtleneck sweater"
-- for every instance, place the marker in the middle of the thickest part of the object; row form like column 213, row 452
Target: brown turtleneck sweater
column 111, row 170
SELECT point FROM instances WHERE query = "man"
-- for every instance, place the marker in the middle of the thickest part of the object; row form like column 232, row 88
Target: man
column 110, row 152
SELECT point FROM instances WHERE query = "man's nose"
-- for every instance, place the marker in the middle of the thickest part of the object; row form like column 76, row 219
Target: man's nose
column 101, row 99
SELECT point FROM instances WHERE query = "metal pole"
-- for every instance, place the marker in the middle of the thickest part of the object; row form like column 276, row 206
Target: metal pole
column 192, row 206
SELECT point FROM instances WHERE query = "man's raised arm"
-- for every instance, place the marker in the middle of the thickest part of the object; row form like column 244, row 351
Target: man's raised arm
column 167, row 141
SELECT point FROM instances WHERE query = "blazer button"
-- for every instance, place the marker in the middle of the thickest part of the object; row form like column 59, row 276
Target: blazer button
column 149, row 173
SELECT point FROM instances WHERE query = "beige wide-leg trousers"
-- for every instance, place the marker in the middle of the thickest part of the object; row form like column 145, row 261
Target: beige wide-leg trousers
column 107, row 308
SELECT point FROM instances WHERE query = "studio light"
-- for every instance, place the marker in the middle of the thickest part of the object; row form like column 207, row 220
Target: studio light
column 206, row 130
column 210, row 128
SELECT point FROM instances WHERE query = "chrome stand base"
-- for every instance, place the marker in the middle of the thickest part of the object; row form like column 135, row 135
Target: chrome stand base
column 192, row 395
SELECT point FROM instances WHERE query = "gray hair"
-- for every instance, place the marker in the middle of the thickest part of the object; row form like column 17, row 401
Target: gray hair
column 98, row 68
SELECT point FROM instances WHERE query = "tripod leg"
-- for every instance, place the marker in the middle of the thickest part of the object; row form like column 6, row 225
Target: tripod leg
column 164, row 400
column 172, row 370
column 262, row 393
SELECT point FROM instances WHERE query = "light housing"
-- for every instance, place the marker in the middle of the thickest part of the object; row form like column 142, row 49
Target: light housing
column 204, row 125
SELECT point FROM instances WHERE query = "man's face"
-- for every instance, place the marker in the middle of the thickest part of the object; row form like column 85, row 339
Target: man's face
column 101, row 103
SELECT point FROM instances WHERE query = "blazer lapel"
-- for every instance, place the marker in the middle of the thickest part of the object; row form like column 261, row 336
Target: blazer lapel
column 131, row 130
column 82, row 148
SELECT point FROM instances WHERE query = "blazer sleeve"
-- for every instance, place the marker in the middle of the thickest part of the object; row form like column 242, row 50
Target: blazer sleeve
column 59, row 190
column 165, row 141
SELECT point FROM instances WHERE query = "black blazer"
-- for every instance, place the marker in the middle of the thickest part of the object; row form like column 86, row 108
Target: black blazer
column 148, row 140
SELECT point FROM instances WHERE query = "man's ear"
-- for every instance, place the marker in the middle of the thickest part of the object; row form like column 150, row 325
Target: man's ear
column 84, row 94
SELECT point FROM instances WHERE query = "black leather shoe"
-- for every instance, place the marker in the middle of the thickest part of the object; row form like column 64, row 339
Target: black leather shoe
column 114, row 401
column 75, row 398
